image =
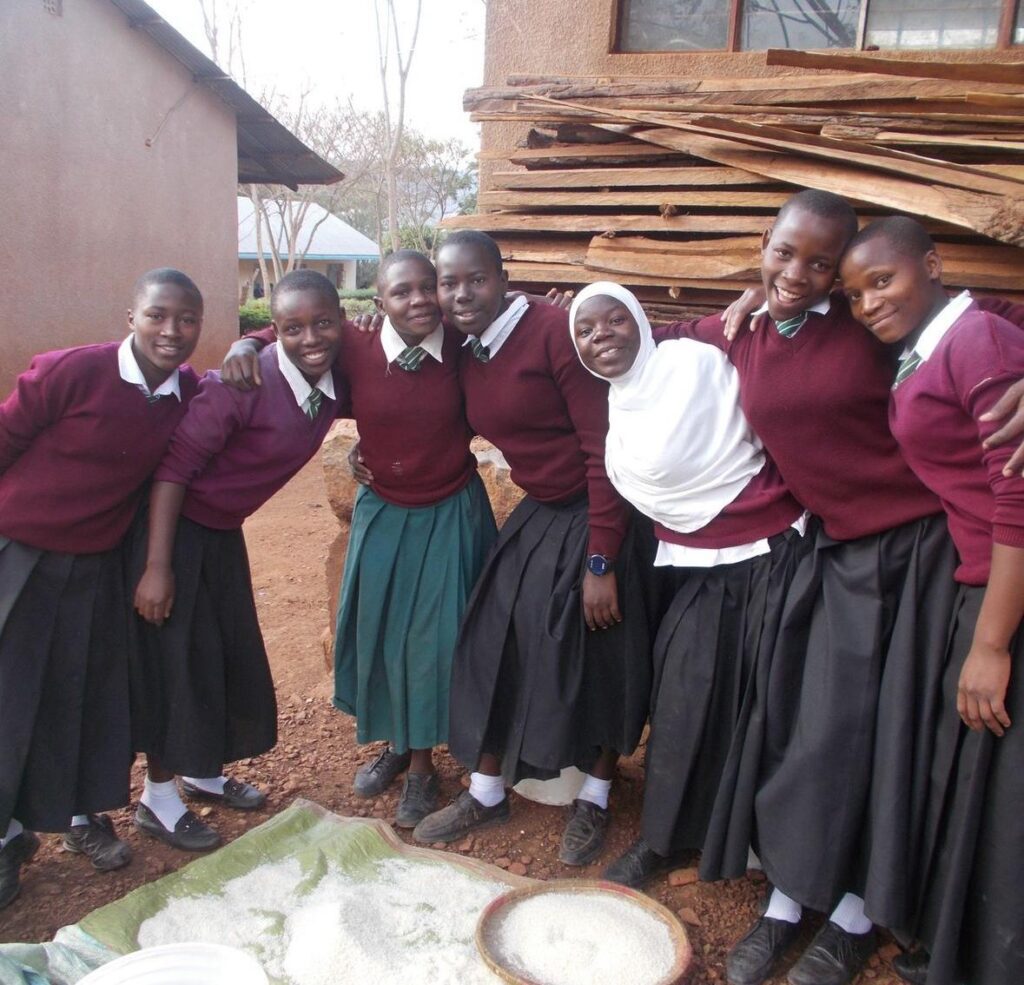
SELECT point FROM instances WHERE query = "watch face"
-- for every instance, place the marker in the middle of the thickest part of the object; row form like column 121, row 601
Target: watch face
column 597, row 564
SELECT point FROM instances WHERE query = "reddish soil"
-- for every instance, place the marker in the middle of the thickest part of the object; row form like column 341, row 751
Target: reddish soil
column 316, row 758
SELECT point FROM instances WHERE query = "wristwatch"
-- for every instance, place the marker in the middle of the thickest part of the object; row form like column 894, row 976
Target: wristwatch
column 598, row 564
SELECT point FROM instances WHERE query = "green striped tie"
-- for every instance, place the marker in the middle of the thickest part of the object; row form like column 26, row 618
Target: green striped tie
column 313, row 403
column 480, row 350
column 907, row 368
column 788, row 327
column 410, row 358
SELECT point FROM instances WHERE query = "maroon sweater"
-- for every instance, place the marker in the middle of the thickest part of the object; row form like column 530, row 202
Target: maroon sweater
column 235, row 449
column 549, row 417
column 763, row 509
column 77, row 444
column 935, row 417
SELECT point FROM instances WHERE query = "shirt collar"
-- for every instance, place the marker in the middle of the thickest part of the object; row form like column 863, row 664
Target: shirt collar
column 298, row 383
column 936, row 329
column 128, row 367
column 394, row 345
column 496, row 334
column 823, row 307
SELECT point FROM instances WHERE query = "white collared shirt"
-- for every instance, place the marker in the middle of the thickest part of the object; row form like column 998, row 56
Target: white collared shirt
column 823, row 307
column 394, row 345
column 128, row 367
column 936, row 329
column 496, row 334
column 682, row 556
column 299, row 384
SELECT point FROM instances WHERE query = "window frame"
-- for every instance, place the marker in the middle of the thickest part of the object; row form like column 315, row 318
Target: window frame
column 1004, row 37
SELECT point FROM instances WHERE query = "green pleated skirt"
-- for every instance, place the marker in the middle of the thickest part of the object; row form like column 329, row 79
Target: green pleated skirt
column 408, row 574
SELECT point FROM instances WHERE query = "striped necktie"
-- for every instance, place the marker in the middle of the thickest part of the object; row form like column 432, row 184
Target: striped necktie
column 313, row 403
column 788, row 327
column 410, row 358
column 907, row 368
column 480, row 350
column 152, row 398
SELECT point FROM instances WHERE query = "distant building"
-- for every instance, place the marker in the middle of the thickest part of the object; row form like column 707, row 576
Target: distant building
column 326, row 243
column 123, row 146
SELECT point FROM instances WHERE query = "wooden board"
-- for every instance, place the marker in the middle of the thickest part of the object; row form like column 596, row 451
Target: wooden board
column 677, row 198
column 515, row 222
column 694, row 177
column 556, row 273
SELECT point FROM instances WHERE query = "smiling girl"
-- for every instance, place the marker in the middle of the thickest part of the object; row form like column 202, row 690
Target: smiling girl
column 79, row 437
column 203, row 694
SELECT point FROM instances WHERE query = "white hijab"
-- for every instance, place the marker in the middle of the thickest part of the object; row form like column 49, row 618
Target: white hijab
column 679, row 448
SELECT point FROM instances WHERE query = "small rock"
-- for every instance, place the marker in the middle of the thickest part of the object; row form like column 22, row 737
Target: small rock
column 683, row 877
column 503, row 862
column 688, row 915
column 870, row 973
column 439, row 844
column 526, row 859
column 466, row 845
column 517, row 869
column 205, row 811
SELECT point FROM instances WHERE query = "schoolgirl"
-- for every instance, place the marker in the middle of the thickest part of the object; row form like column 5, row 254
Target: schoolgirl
column 532, row 690
column 203, row 694
column 420, row 532
column 958, row 360
column 79, row 437
column 680, row 450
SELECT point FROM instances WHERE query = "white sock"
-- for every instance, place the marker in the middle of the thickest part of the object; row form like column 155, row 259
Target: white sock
column 79, row 819
column 163, row 800
column 595, row 791
column 13, row 830
column 487, row 790
column 211, row 784
column 753, row 862
column 781, row 907
column 849, row 914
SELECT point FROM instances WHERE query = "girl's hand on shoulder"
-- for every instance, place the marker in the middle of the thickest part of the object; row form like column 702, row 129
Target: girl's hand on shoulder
column 368, row 322
column 981, row 692
column 241, row 366
column 600, row 601
column 154, row 595
column 1011, row 402
column 737, row 313
column 360, row 472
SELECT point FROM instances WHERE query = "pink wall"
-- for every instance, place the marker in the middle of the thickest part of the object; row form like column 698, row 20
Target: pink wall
column 87, row 206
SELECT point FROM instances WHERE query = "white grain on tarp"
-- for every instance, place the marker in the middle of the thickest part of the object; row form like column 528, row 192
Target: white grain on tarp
column 585, row 939
column 397, row 921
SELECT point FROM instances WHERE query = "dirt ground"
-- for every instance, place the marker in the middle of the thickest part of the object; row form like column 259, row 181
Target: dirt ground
column 316, row 758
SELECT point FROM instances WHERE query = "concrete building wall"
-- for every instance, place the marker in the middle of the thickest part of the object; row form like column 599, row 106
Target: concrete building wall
column 574, row 37
column 114, row 162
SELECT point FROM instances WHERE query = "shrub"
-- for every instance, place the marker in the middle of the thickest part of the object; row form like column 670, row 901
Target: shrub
column 253, row 315
column 359, row 294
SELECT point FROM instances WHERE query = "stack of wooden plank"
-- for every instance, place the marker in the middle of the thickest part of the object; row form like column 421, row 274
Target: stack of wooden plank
column 667, row 184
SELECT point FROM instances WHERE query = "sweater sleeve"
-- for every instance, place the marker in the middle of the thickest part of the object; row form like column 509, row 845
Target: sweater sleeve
column 981, row 365
column 38, row 401
column 708, row 329
column 1007, row 310
column 586, row 399
column 216, row 412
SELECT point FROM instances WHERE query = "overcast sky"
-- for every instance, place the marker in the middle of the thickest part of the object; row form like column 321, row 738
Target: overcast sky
column 330, row 48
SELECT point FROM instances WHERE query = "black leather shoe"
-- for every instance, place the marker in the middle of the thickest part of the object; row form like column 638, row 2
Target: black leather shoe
column 375, row 777
column 583, row 837
column 237, row 794
column 833, row 958
column 912, row 966
column 465, row 814
column 637, row 865
column 752, row 958
column 97, row 841
column 189, row 834
column 13, row 856
column 419, row 798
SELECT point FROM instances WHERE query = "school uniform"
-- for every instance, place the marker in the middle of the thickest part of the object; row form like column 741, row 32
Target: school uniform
column 79, row 437
column 869, row 599
column 973, row 848
column 529, row 682
column 202, row 690
column 419, row 536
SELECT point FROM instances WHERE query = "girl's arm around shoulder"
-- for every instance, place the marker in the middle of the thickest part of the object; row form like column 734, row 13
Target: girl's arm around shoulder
column 707, row 329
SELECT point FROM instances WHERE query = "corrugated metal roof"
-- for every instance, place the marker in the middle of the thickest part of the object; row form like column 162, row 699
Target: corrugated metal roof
column 322, row 235
column 268, row 152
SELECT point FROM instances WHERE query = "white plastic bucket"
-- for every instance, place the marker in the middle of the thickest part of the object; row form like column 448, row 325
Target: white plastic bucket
column 181, row 964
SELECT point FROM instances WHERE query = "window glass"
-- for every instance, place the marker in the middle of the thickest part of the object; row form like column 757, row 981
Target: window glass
column 934, row 23
column 800, row 24
column 673, row 25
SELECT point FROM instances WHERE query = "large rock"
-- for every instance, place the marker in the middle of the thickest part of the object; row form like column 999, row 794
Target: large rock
column 341, row 490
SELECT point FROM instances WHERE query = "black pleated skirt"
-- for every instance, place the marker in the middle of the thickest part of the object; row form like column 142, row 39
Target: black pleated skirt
column 65, row 734
column 973, row 901
column 708, row 655
column 530, row 683
column 864, row 620
column 202, row 694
